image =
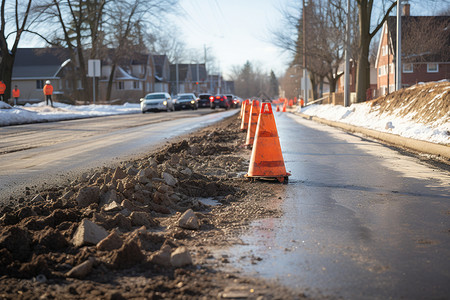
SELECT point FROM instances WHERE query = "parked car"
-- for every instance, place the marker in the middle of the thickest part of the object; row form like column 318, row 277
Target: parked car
column 204, row 100
column 220, row 101
column 156, row 102
column 186, row 101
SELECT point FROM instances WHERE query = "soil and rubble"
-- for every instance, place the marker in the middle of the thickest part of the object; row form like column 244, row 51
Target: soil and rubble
column 141, row 229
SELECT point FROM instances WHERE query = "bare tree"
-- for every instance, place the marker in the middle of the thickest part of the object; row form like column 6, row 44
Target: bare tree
column 128, row 20
column 426, row 39
column 166, row 40
column 324, row 40
column 13, row 25
column 365, row 8
column 250, row 81
column 78, row 29
column 88, row 27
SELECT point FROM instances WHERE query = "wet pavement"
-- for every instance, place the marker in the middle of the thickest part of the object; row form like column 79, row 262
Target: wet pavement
column 361, row 220
column 50, row 152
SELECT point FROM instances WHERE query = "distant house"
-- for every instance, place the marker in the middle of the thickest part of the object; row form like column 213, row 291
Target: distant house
column 340, row 84
column 132, row 78
column 33, row 66
column 425, row 51
column 162, row 73
column 199, row 77
column 180, row 79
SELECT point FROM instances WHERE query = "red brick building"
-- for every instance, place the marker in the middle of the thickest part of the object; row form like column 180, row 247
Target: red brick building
column 425, row 51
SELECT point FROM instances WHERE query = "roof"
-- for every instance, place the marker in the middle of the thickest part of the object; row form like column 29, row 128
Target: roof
column 159, row 61
column 424, row 38
column 39, row 63
column 201, row 70
column 182, row 72
column 140, row 59
column 121, row 74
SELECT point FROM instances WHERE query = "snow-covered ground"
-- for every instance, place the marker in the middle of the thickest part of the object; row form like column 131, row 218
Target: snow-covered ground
column 41, row 113
column 360, row 115
column 356, row 114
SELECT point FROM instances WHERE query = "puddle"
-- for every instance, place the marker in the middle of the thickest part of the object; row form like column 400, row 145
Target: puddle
column 209, row 201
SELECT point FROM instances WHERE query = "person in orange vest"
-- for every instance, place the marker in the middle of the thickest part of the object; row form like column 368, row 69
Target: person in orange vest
column 2, row 90
column 16, row 94
column 48, row 91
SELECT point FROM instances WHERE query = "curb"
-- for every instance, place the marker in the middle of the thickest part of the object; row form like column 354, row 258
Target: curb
column 416, row 145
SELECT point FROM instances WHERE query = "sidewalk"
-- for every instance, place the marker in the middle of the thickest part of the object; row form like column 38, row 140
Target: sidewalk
column 442, row 151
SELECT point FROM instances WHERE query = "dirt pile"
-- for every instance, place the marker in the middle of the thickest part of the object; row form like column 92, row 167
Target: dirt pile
column 424, row 103
column 119, row 232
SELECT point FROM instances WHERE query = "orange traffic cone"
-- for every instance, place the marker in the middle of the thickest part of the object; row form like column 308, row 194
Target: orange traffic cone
column 267, row 161
column 284, row 106
column 252, row 122
column 246, row 102
column 291, row 102
column 278, row 107
column 245, row 117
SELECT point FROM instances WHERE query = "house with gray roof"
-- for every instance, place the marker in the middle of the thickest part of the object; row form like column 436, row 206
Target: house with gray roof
column 180, row 79
column 200, row 78
column 33, row 66
column 162, row 73
column 132, row 78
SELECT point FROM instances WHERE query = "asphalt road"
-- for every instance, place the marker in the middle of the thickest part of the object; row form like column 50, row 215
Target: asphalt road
column 361, row 220
column 50, row 153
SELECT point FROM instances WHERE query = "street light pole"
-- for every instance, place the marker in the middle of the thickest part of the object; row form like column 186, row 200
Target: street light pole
column 305, row 72
column 347, row 59
column 398, row 65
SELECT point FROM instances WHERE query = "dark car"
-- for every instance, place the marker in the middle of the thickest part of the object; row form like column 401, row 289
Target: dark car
column 204, row 100
column 185, row 101
column 230, row 98
column 220, row 101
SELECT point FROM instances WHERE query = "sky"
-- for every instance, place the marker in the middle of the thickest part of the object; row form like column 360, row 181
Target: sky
column 235, row 31
column 239, row 30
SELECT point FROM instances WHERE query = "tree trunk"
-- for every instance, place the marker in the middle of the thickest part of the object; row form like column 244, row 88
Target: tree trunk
column 110, row 82
column 363, row 69
column 6, row 72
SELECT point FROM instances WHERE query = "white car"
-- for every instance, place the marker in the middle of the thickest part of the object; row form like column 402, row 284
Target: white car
column 157, row 102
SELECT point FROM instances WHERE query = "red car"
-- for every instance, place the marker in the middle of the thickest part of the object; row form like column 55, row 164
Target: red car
column 220, row 101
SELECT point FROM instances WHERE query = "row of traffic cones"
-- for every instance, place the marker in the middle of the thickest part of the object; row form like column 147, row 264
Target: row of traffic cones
column 266, row 160
column 283, row 109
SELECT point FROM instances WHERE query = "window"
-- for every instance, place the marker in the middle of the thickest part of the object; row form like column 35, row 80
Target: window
column 392, row 67
column 39, row 84
column 432, row 68
column 385, row 50
column 382, row 71
column 136, row 85
column 120, row 85
column 407, row 68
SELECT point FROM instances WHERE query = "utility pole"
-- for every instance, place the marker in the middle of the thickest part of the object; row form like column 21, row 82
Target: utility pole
column 398, row 59
column 305, row 72
column 198, row 76
column 347, row 59
column 176, row 71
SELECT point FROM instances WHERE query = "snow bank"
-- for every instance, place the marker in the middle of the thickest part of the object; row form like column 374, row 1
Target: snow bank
column 41, row 113
column 361, row 115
